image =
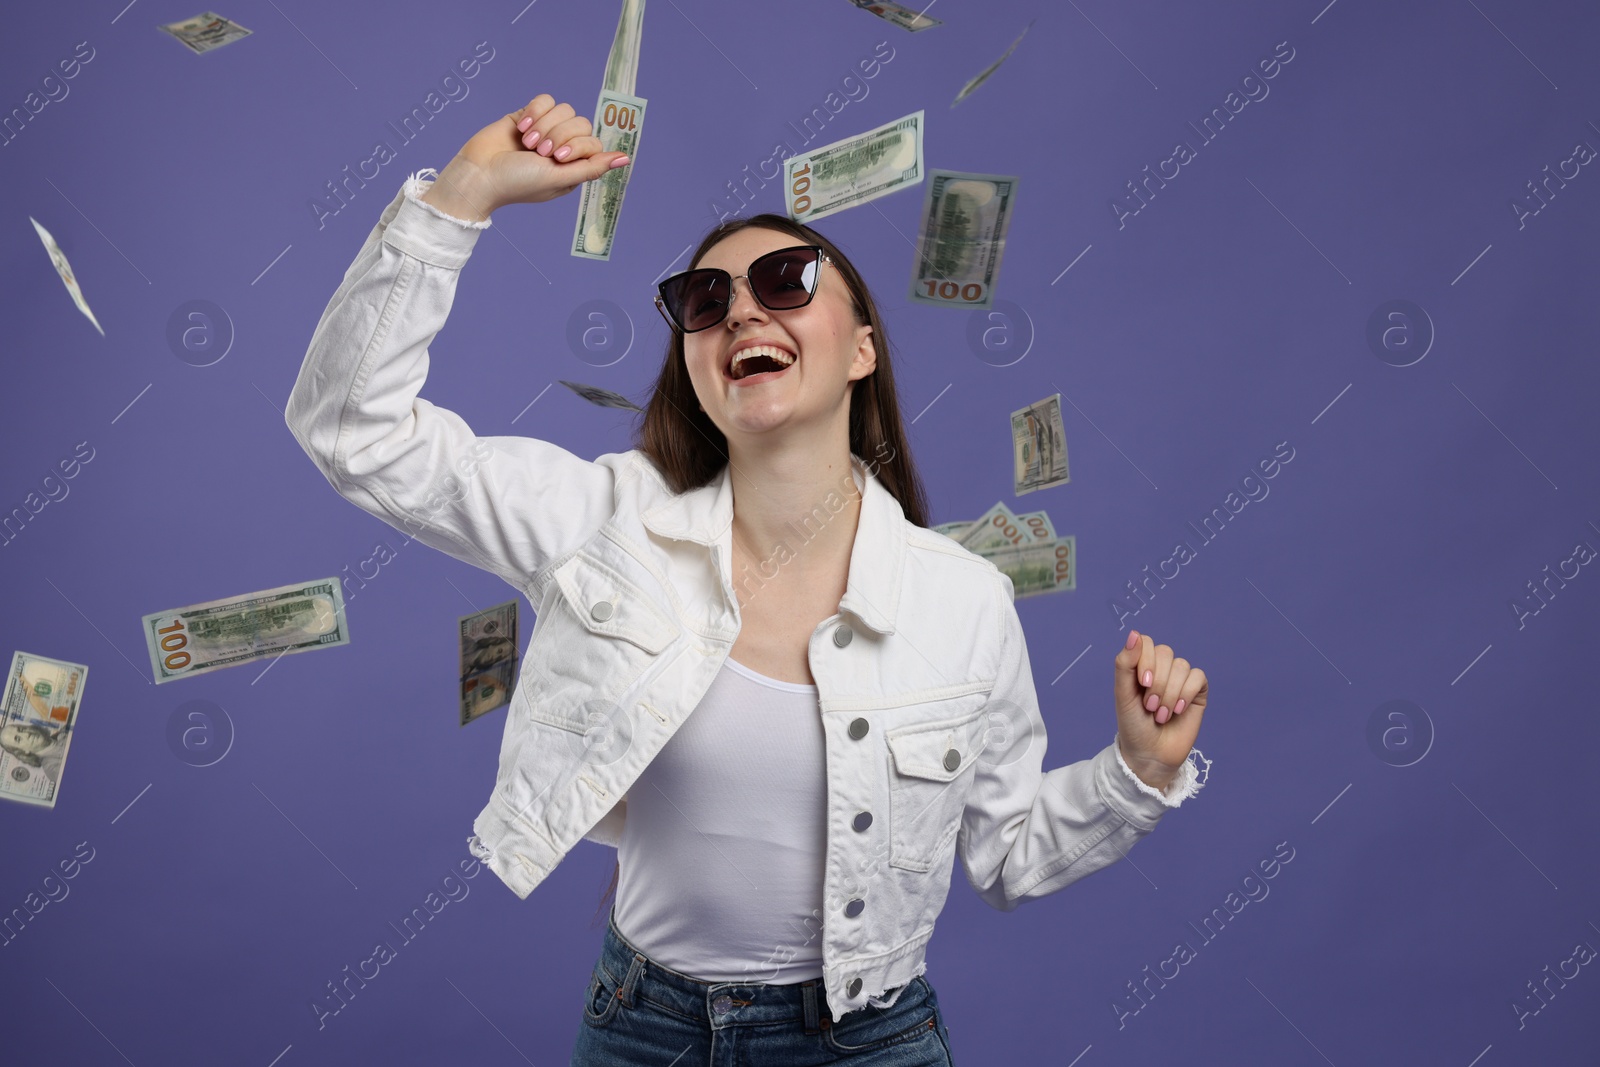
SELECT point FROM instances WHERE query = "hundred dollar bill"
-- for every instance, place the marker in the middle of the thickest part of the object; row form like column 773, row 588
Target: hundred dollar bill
column 207, row 637
column 488, row 659
column 36, row 723
column 961, row 238
column 622, row 65
column 618, row 121
column 996, row 528
column 603, row 397
column 206, row 31
column 1039, row 566
column 58, row 259
column 1039, row 446
column 953, row 530
column 902, row 16
column 983, row 76
column 829, row 179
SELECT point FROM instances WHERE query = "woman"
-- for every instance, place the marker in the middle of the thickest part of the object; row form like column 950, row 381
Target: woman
column 863, row 706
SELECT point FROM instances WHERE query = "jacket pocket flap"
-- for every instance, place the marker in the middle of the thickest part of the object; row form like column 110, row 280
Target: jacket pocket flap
column 939, row 751
column 607, row 603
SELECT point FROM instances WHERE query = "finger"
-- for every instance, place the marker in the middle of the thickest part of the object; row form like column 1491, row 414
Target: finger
column 533, row 111
column 563, row 133
column 589, row 168
column 576, row 149
column 1158, row 682
column 538, row 135
column 1177, row 677
column 1144, row 672
column 1191, row 689
column 1123, row 679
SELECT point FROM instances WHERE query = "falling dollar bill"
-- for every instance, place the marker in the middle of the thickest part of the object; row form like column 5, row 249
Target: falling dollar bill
column 225, row 633
column 961, row 238
column 618, row 120
column 206, row 31
column 36, row 723
column 953, row 530
column 852, row 171
column 902, row 16
column 1039, row 445
column 996, row 528
column 488, row 659
column 603, row 397
column 622, row 65
column 983, row 75
column 58, row 259
column 1039, row 566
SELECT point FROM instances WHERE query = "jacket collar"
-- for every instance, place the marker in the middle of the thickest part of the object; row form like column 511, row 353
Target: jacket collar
column 872, row 589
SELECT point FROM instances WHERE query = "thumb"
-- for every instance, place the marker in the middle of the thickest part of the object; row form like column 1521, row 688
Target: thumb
column 597, row 165
column 1125, row 682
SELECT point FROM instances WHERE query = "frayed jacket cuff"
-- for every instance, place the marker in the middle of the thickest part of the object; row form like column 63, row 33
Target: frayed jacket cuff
column 1189, row 781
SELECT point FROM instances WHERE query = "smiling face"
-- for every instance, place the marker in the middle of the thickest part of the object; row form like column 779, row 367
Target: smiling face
column 832, row 350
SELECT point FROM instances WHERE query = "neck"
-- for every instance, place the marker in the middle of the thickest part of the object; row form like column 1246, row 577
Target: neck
column 794, row 508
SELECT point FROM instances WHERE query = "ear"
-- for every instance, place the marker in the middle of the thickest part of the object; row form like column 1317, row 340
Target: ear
column 866, row 357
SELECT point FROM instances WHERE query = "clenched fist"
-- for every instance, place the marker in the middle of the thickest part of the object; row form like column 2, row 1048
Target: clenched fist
column 536, row 153
column 1160, row 700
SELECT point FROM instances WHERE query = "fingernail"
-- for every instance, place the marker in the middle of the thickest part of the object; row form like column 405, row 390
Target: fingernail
column 566, row 150
column 522, row 127
column 1178, row 708
column 1148, row 677
column 1164, row 714
column 1152, row 702
column 529, row 140
column 620, row 161
column 545, row 146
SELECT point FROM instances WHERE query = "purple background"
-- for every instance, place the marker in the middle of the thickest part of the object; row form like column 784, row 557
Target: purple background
column 1228, row 315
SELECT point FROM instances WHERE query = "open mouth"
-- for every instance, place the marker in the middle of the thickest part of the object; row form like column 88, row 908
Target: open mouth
column 758, row 363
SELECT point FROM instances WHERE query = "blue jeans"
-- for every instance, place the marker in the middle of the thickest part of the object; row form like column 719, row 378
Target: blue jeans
column 638, row 1013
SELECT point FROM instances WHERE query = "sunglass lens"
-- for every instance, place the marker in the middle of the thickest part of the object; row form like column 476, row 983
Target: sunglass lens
column 697, row 299
column 786, row 279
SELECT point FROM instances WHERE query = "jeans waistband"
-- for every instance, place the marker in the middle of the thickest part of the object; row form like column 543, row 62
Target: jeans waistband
column 716, row 1004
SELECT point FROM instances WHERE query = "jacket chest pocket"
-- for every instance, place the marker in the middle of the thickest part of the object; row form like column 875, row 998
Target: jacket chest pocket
column 596, row 637
column 929, row 778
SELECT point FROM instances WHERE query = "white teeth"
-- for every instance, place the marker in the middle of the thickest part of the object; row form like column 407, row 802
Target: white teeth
column 770, row 351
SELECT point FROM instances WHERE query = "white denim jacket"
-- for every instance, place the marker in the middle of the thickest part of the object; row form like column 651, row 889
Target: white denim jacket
column 931, row 723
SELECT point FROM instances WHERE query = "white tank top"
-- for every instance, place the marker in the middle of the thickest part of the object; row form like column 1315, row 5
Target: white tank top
column 722, row 850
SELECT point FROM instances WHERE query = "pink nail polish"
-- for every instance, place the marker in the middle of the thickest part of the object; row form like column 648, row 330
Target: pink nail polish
column 522, row 127
column 566, row 150
column 544, row 149
column 1164, row 714
column 1178, row 708
column 1152, row 702
column 1148, row 677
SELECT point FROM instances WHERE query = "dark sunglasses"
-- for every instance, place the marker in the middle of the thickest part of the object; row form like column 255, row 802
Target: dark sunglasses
column 780, row 281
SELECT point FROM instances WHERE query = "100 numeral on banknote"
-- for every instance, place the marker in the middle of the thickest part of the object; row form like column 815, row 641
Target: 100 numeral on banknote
column 619, row 119
column 225, row 633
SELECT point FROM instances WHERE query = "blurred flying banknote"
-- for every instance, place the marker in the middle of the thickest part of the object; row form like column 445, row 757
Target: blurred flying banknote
column 618, row 121
column 852, row 171
column 207, row 637
column 622, row 65
column 983, row 75
column 902, row 16
column 206, row 31
column 488, row 659
column 1039, row 444
column 961, row 238
column 603, row 397
column 58, row 259
column 1026, row 547
column 36, row 723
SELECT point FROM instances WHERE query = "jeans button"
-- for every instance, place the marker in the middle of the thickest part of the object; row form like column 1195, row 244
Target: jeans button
column 722, row 1003
column 852, row 909
column 853, row 988
column 842, row 635
column 601, row 611
column 862, row 820
column 858, row 729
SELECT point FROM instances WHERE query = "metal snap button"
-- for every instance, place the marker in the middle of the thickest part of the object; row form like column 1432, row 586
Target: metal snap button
column 952, row 760
column 722, row 1003
column 842, row 636
column 863, row 820
column 852, row 909
column 858, row 729
column 853, row 988
column 601, row 611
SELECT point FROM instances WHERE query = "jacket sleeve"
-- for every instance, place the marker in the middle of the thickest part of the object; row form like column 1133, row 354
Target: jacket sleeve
column 510, row 505
column 1025, row 833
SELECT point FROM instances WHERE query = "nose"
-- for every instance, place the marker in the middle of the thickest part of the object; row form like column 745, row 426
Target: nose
column 741, row 308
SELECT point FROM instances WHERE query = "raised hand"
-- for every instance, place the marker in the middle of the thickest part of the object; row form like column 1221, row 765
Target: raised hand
column 1158, row 719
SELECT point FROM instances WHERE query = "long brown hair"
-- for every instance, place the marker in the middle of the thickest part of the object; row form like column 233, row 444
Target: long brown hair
column 689, row 450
